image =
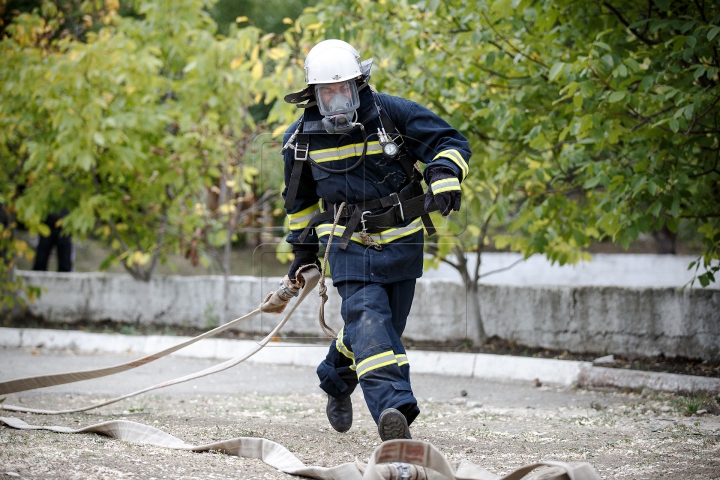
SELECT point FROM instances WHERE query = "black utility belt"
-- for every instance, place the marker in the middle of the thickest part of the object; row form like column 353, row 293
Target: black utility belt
column 361, row 217
column 376, row 222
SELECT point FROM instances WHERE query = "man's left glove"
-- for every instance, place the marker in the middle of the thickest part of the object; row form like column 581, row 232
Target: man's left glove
column 305, row 254
column 444, row 189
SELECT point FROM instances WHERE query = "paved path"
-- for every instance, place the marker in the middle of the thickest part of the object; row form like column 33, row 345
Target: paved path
column 261, row 379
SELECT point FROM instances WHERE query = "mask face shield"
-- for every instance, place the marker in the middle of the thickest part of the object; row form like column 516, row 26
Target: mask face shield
column 337, row 98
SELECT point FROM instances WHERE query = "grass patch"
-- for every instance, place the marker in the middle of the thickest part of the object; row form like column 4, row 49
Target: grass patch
column 697, row 401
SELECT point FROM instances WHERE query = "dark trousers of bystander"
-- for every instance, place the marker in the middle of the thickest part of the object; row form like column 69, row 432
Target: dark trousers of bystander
column 63, row 243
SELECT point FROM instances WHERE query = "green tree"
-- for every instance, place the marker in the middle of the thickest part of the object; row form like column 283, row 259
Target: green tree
column 269, row 15
column 24, row 59
column 587, row 120
column 133, row 128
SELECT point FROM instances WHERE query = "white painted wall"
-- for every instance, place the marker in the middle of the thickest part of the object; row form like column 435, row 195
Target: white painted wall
column 626, row 270
column 620, row 320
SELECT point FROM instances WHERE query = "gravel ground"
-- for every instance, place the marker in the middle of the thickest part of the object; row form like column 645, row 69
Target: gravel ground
column 623, row 435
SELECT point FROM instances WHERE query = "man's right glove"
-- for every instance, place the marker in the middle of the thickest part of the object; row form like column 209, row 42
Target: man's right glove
column 305, row 254
column 444, row 189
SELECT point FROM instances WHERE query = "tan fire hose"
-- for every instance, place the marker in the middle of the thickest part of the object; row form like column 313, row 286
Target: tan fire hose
column 413, row 459
column 416, row 460
column 275, row 302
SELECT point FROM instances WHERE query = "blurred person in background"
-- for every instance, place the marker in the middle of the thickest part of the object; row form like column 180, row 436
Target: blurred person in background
column 62, row 242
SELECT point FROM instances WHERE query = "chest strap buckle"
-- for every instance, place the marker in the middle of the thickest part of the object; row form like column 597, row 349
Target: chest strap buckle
column 302, row 151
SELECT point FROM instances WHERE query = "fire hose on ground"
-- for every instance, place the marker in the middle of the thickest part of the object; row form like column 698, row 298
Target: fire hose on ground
column 411, row 459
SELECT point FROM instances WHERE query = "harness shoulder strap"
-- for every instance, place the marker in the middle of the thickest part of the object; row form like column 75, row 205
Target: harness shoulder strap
column 301, row 149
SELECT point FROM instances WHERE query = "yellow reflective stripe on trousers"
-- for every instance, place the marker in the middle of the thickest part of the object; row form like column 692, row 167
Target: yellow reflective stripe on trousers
column 386, row 236
column 401, row 359
column 445, row 185
column 341, row 346
column 376, row 361
column 456, row 158
column 300, row 220
column 355, row 150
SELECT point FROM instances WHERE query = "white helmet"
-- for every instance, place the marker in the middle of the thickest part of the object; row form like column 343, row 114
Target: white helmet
column 332, row 61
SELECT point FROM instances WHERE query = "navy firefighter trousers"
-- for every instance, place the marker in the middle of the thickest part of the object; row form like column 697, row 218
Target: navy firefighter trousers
column 368, row 348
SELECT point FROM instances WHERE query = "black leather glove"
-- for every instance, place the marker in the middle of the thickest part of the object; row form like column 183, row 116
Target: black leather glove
column 444, row 188
column 304, row 255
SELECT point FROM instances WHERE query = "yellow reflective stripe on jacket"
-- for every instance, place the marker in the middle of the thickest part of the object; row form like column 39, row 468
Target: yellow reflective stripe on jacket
column 445, row 185
column 355, row 150
column 401, row 359
column 300, row 220
column 456, row 158
column 376, row 361
column 386, row 236
column 341, row 346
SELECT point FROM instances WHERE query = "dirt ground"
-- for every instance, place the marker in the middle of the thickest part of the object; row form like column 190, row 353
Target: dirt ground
column 623, row 435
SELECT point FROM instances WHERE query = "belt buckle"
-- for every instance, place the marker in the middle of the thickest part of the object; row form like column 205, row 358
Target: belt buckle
column 346, row 211
column 396, row 203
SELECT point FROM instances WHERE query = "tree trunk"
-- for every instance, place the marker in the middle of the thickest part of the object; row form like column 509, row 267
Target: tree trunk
column 666, row 241
column 226, row 274
column 475, row 327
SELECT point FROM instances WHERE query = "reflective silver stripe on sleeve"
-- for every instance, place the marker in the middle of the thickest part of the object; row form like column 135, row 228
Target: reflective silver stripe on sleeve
column 454, row 156
column 445, row 185
column 401, row 359
column 300, row 223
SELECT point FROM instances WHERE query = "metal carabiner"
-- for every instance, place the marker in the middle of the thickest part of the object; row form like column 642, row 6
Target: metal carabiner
column 362, row 221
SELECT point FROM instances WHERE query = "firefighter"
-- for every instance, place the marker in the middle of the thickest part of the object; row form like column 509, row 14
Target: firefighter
column 355, row 146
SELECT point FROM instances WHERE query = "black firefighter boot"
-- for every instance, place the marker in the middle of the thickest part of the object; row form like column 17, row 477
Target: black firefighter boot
column 339, row 413
column 393, row 425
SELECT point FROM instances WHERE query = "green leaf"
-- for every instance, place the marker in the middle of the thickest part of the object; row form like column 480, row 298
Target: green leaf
column 99, row 139
column 675, row 208
column 616, row 97
column 674, row 125
column 578, row 101
column 712, row 33
column 603, row 45
column 555, row 71
column 592, row 182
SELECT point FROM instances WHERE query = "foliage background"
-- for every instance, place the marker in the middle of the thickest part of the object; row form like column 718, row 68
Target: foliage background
column 153, row 122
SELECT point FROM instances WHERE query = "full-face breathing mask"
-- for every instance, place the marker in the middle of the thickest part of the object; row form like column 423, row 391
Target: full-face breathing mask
column 338, row 103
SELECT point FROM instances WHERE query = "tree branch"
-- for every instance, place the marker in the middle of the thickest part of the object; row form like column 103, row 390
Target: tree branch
column 639, row 35
column 492, row 272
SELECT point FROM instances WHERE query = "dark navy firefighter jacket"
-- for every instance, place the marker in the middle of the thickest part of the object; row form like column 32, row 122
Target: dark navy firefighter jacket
column 428, row 139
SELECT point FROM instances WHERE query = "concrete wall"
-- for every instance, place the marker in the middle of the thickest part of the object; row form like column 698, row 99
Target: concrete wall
column 620, row 320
